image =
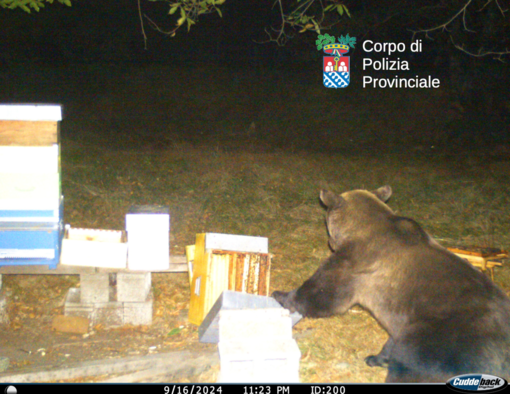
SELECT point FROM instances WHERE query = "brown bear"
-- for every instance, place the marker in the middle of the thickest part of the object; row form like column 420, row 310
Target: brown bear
column 444, row 317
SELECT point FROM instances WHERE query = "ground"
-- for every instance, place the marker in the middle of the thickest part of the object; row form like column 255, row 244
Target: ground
column 247, row 153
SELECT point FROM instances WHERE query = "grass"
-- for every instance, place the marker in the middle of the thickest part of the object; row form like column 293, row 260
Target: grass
column 242, row 154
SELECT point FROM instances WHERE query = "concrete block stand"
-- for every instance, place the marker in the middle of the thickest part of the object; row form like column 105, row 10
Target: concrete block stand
column 130, row 302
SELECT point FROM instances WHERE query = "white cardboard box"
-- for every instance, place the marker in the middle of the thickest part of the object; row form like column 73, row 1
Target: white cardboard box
column 148, row 232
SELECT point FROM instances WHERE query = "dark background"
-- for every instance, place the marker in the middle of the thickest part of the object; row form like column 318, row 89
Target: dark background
column 73, row 54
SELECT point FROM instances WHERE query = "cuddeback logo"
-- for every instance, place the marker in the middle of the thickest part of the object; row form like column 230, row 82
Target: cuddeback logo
column 336, row 66
column 476, row 382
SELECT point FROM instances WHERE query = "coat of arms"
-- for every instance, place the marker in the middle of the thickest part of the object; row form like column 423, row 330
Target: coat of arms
column 336, row 66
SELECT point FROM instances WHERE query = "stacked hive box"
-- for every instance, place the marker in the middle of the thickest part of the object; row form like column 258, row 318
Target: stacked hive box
column 31, row 220
column 256, row 346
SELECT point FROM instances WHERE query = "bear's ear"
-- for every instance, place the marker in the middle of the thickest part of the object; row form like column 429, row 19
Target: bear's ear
column 330, row 199
column 383, row 193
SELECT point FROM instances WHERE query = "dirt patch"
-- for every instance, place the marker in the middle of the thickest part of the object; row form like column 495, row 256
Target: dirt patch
column 30, row 343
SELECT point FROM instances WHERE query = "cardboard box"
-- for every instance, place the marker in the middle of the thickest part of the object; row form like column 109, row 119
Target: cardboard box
column 148, row 234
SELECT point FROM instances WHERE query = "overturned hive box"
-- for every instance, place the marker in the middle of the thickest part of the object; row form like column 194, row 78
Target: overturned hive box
column 481, row 257
column 227, row 262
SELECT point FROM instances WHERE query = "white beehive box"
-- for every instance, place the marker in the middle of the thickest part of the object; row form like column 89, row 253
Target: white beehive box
column 29, row 159
column 29, row 191
column 148, row 233
column 31, row 202
column 93, row 248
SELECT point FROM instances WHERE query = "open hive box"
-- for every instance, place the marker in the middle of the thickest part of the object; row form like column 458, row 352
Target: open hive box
column 226, row 262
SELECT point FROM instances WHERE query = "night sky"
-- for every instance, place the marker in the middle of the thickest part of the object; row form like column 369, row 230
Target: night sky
column 110, row 31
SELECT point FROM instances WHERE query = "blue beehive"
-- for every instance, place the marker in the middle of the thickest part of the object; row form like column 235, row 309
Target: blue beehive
column 31, row 202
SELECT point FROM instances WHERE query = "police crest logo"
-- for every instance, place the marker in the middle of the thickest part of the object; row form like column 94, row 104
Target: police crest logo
column 336, row 66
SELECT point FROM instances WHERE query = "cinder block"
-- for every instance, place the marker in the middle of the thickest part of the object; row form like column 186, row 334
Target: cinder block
column 133, row 286
column 110, row 314
column 4, row 316
column 270, row 361
column 73, row 306
column 138, row 313
column 255, row 324
column 94, row 288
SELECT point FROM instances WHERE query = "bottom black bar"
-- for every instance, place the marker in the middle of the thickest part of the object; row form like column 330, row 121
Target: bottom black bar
column 150, row 388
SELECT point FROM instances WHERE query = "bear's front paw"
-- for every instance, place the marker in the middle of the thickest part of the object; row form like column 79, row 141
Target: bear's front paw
column 280, row 296
column 376, row 361
column 283, row 300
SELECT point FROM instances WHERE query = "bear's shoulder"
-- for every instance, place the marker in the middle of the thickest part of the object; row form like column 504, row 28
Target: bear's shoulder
column 408, row 231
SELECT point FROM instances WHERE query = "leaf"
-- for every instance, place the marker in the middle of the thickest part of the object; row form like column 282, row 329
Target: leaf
column 340, row 9
column 317, row 28
column 181, row 20
column 190, row 22
column 174, row 331
column 173, row 9
column 219, row 12
column 347, row 10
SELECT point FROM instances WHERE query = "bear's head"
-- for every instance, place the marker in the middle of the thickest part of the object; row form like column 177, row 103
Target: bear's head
column 355, row 215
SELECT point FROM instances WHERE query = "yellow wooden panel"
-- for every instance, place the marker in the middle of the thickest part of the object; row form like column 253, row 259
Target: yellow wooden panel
column 198, row 282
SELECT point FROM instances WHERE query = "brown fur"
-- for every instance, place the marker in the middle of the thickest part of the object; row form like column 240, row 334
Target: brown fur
column 443, row 316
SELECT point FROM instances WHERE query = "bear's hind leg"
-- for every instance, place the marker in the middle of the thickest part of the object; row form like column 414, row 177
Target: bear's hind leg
column 383, row 358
